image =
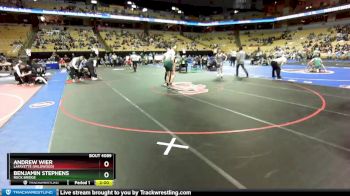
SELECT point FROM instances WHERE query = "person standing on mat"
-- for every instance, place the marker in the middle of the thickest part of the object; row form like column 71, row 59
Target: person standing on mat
column 220, row 58
column 135, row 60
column 240, row 61
column 89, row 64
column 276, row 64
column 74, row 68
column 17, row 72
column 233, row 56
column 169, row 65
column 114, row 59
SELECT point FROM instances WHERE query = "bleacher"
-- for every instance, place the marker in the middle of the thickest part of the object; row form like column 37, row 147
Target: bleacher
column 224, row 40
column 12, row 38
column 83, row 39
column 58, row 38
column 136, row 40
column 182, row 42
column 301, row 36
column 266, row 40
column 323, row 37
column 122, row 40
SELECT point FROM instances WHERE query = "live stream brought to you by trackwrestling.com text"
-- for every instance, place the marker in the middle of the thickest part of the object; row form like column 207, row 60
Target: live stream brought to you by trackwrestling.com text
column 103, row 192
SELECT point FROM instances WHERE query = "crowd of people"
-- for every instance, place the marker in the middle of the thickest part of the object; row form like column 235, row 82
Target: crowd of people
column 342, row 32
column 269, row 40
column 132, row 40
column 212, row 40
column 322, row 42
column 126, row 39
column 62, row 39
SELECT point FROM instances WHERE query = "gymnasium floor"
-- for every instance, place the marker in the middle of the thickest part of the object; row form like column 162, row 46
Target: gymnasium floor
column 239, row 132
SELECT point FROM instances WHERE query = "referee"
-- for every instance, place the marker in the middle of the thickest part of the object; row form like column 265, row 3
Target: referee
column 240, row 62
column 276, row 64
column 135, row 59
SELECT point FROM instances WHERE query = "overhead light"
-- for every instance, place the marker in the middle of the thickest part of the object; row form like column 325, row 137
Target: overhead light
column 173, row 8
column 236, row 11
column 42, row 18
column 34, row 0
column 133, row 6
column 179, row 12
column 307, row 8
column 144, row 10
column 94, row 1
column 129, row 2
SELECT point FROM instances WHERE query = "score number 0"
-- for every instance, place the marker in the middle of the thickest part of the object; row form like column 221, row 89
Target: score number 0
column 106, row 164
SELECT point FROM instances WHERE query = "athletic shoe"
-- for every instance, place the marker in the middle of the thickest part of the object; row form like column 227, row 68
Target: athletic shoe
column 93, row 78
column 165, row 84
column 81, row 79
column 74, row 81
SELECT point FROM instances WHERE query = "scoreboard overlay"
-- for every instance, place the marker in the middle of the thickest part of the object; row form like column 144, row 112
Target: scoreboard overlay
column 61, row 168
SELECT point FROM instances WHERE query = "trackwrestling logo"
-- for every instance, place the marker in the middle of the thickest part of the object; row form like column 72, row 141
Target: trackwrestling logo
column 32, row 192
